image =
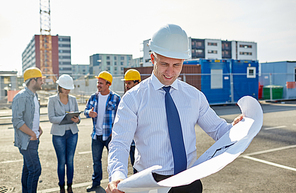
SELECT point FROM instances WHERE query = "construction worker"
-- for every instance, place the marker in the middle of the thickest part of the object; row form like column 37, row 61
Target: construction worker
column 64, row 136
column 101, row 107
column 160, row 115
column 132, row 78
column 27, row 131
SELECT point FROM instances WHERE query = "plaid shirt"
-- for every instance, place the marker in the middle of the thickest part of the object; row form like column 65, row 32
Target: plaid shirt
column 111, row 108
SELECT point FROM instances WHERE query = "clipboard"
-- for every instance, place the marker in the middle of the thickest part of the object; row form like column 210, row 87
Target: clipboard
column 68, row 116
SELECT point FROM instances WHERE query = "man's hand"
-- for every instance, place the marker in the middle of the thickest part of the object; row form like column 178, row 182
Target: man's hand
column 92, row 114
column 237, row 119
column 112, row 187
column 40, row 131
column 33, row 137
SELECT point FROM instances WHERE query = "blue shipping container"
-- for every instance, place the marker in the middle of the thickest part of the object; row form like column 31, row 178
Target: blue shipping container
column 226, row 81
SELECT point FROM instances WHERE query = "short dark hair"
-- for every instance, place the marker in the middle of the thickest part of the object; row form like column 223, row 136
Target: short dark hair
column 29, row 80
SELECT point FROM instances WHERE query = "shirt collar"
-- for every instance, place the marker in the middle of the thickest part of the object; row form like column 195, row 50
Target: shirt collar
column 29, row 91
column 158, row 85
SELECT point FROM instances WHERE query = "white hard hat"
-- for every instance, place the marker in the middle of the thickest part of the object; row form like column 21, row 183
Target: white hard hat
column 170, row 41
column 65, row 81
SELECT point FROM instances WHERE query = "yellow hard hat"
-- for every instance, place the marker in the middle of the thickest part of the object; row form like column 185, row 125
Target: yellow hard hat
column 32, row 73
column 132, row 74
column 106, row 76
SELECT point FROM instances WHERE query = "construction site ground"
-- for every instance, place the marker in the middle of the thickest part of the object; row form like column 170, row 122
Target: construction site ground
column 268, row 165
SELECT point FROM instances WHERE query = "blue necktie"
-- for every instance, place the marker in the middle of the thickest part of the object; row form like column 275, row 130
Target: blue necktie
column 175, row 132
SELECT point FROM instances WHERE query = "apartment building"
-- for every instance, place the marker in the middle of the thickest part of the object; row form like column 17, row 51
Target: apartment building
column 113, row 63
column 60, row 55
column 213, row 49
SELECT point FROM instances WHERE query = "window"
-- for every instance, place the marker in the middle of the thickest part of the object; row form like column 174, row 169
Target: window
column 245, row 53
column 115, row 58
column 251, row 72
column 64, row 45
column 115, row 68
column 216, row 78
column 121, row 63
column 64, row 39
column 245, row 46
column 115, row 63
column 212, row 51
column 64, row 51
column 121, row 58
column 108, row 63
column 212, row 44
column 108, row 57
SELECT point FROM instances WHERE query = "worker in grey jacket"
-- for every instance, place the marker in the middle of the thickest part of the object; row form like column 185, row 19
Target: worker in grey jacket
column 25, row 120
column 64, row 136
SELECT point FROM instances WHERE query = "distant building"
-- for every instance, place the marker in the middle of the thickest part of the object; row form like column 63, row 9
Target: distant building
column 79, row 70
column 213, row 49
column 61, row 54
column 137, row 62
column 113, row 63
column 8, row 82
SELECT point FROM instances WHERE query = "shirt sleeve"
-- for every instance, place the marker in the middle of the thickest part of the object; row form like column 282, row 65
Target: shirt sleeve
column 88, row 107
column 51, row 112
column 18, row 108
column 210, row 122
column 122, row 135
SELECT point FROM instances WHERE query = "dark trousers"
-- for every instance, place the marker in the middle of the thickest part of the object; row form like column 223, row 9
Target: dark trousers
column 97, row 147
column 31, row 167
column 132, row 155
column 194, row 187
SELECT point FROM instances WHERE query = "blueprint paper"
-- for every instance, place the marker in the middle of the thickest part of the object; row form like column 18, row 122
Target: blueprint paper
column 220, row 154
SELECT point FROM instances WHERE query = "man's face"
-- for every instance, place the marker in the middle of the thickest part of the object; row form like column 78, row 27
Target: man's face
column 37, row 83
column 166, row 69
column 130, row 84
column 102, row 86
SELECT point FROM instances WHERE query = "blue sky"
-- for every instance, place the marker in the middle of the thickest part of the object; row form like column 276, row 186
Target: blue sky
column 120, row 27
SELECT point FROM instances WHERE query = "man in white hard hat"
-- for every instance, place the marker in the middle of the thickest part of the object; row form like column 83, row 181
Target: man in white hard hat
column 160, row 115
column 25, row 120
column 101, row 107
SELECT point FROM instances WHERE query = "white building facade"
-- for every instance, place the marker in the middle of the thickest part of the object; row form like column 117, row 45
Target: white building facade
column 213, row 49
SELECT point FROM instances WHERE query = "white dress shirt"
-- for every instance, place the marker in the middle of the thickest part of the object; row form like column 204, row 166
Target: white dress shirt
column 141, row 116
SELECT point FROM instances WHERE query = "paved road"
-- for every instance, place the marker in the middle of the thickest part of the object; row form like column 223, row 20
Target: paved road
column 268, row 165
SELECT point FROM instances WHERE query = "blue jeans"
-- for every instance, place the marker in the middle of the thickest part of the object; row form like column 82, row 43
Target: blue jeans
column 132, row 155
column 31, row 167
column 65, row 147
column 97, row 147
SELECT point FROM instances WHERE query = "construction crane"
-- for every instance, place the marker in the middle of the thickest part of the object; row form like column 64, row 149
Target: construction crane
column 45, row 43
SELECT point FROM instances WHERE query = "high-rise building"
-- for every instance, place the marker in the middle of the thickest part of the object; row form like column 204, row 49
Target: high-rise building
column 213, row 49
column 113, row 63
column 61, row 54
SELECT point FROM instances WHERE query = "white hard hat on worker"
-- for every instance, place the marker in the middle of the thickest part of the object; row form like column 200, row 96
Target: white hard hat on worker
column 169, row 47
column 65, row 81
